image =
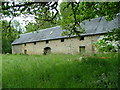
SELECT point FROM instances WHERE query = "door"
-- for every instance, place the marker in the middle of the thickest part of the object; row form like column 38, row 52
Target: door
column 81, row 49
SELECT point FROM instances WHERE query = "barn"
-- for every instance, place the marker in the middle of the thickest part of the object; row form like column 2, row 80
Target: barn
column 51, row 40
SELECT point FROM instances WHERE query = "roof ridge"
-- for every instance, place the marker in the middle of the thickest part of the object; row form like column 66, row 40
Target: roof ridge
column 40, row 30
column 48, row 28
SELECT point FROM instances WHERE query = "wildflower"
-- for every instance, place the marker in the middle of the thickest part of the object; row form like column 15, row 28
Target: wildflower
column 80, row 58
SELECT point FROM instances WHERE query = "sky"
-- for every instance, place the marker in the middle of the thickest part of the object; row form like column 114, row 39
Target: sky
column 22, row 20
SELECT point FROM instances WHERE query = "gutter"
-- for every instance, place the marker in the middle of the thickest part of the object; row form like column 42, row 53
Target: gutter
column 90, row 34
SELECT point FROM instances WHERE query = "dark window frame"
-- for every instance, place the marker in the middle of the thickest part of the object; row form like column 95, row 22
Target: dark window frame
column 82, row 49
column 82, row 38
column 62, row 39
column 34, row 43
column 47, row 41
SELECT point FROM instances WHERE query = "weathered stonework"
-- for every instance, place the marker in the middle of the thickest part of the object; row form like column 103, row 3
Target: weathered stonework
column 94, row 28
column 69, row 46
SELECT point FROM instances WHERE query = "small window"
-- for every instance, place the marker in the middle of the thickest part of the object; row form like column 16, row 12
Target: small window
column 25, row 44
column 82, row 38
column 62, row 40
column 25, row 51
column 47, row 41
column 34, row 43
column 82, row 49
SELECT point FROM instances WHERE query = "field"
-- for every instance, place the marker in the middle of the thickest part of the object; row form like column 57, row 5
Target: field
column 60, row 71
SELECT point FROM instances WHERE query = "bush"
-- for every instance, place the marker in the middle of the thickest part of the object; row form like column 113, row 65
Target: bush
column 109, row 42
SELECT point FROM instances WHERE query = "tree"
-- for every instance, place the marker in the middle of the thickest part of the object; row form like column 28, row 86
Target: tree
column 71, row 14
column 17, row 26
column 9, row 34
column 79, row 11
column 39, row 24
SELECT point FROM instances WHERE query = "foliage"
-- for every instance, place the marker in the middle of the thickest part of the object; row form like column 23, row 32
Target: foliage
column 9, row 34
column 17, row 26
column 60, row 71
column 41, row 24
column 110, row 42
column 69, row 16
column 72, row 13
column 31, row 27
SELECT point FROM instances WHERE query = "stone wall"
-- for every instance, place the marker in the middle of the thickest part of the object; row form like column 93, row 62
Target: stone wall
column 69, row 46
column 17, row 49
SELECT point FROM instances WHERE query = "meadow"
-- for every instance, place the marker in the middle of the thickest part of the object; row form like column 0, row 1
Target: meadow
column 60, row 71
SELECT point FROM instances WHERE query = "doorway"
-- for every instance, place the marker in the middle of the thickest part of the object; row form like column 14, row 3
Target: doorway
column 47, row 50
column 81, row 49
column 25, row 51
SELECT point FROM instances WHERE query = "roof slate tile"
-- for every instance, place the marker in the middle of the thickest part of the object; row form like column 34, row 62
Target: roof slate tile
column 94, row 26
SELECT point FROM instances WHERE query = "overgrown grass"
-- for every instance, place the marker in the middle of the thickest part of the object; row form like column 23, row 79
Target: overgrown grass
column 60, row 71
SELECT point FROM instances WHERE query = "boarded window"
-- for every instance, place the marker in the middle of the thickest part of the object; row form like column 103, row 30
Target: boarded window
column 62, row 40
column 82, row 49
column 25, row 51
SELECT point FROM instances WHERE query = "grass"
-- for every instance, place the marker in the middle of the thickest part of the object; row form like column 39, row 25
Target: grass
column 60, row 71
column 0, row 71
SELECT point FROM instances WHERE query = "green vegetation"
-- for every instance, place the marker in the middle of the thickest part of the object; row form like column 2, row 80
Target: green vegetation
column 60, row 71
column 109, row 42
column 10, row 32
column 67, row 14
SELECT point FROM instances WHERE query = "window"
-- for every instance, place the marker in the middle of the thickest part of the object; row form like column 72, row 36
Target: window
column 82, row 38
column 25, row 44
column 47, row 41
column 34, row 43
column 25, row 51
column 82, row 49
column 62, row 40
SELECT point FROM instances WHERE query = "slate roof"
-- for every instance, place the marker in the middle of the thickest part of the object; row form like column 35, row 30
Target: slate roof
column 91, row 27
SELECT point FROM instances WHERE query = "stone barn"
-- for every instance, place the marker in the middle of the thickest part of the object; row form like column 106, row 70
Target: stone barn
column 50, row 40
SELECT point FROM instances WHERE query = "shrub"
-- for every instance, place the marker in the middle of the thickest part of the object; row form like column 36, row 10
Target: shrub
column 109, row 42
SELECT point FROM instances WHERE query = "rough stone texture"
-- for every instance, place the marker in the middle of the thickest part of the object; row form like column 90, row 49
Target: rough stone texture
column 69, row 46
column 17, row 49
column 94, row 29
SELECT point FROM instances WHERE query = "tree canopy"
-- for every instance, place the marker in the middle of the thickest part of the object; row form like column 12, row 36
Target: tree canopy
column 70, row 13
column 39, row 24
